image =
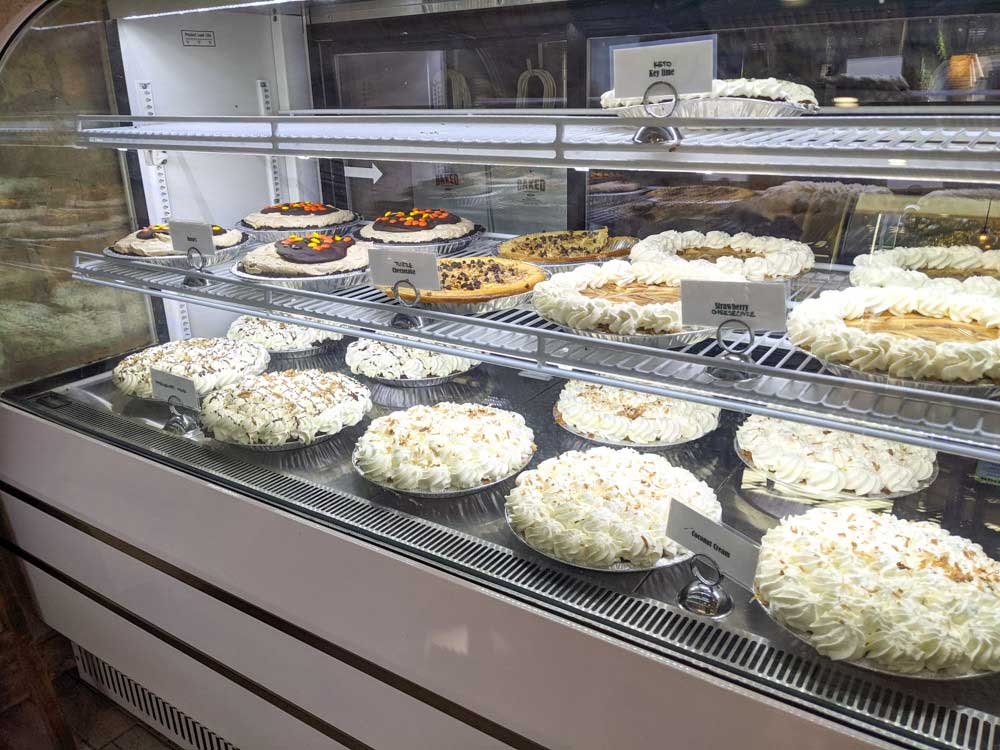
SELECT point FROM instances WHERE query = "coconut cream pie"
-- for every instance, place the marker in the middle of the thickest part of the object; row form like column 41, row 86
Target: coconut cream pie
column 295, row 406
column 757, row 258
column 906, row 596
column 312, row 255
column 604, row 412
column 773, row 89
column 377, row 359
column 300, row 215
column 821, row 460
column 962, row 268
column 444, row 447
column 417, row 225
column 566, row 246
column 477, row 279
column 907, row 333
column 154, row 241
column 621, row 297
column 278, row 337
column 210, row 363
column 605, row 506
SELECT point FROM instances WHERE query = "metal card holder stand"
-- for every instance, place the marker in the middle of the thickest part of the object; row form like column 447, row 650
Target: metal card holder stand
column 669, row 136
column 733, row 353
column 182, row 420
column 704, row 595
column 196, row 260
column 402, row 320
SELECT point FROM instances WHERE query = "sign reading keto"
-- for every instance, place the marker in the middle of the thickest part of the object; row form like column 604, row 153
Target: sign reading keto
column 188, row 235
column 762, row 305
column 419, row 267
column 687, row 64
column 174, row 389
column 734, row 554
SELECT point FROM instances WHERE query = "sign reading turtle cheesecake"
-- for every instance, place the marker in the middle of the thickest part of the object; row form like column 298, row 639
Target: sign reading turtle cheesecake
column 419, row 267
column 762, row 305
column 687, row 64
column 734, row 554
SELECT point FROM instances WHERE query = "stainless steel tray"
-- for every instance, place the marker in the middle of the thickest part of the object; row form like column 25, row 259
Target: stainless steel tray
column 682, row 338
column 434, row 495
column 273, row 235
column 438, row 247
column 557, row 416
column 312, row 284
column 832, row 496
column 473, row 308
column 618, row 567
column 218, row 258
column 727, row 106
column 975, row 390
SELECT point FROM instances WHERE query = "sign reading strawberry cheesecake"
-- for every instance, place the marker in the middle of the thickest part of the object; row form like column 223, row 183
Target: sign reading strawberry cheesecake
column 762, row 305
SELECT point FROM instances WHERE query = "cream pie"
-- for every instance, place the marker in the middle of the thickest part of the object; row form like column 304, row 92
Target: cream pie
column 963, row 268
column 772, row 89
column 918, row 334
column 418, row 225
column 302, row 216
column 477, row 279
column 295, row 406
column 905, row 596
column 210, row 363
column 277, row 336
column 569, row 246
column 756, row 258
column 154, row 241
column 307, row 256
column 603, row 506
column 387, row 361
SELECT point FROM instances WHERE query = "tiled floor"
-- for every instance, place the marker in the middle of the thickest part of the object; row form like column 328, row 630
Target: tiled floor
column 97, row 722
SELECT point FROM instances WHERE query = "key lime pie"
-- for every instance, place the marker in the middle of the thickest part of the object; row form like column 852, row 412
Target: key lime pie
column 964, row 268
column 756, row 258
column 772, row 89
column 419, row 225
column 154, row 241
column 210, row 363
column 918, row 334
column 386, row 361
column 302, row 216
column 278, row 337
column 823, row 461
column 306, row 256
column 605, row 506
column 902, row 596
column 278, row 408
column 608, row 413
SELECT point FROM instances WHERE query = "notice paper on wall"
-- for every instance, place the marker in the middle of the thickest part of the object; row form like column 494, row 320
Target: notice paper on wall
column 687, row 64
column 419, row 267
column 734, row 554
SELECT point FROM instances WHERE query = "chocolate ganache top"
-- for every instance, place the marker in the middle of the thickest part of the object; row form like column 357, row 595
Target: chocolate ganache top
column 148, row 233
column 316, row 248
column 416, row 220
column 300, row 208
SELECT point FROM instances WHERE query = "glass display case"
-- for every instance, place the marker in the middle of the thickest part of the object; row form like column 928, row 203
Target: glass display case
column 206, row 202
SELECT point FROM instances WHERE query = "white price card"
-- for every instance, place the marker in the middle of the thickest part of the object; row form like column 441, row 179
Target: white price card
column 419, row 267
column 687, row 64
column 167, row 385
column 185, row 235
column 734, row 554
column 762, row 305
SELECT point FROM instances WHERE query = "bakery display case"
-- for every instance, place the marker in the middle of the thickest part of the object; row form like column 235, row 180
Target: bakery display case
column 411, row 357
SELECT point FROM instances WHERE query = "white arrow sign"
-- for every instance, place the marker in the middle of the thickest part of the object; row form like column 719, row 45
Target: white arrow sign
column 372, row 173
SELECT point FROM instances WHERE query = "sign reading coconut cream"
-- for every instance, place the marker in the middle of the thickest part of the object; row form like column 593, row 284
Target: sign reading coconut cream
column 185, row 235
column 734, row 554
column 174, row 388
column 419, row 267
column 762, row 305
column 687, row 64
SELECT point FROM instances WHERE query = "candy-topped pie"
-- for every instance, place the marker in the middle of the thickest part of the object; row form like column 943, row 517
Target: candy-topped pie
column 301, row 215
column 154, row 241
column 568, row 246
column 309, row 256
column 416, row 226
column 477, row 279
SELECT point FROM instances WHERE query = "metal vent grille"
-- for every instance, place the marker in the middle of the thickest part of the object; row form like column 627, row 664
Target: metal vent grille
column 149, row 707
column 917, row 717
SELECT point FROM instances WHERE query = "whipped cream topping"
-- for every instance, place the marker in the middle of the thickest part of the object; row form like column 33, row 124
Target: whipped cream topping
column 604, row 506
column 210, row 363
column 159, row 244
column 907, row 596
column 376, row 359
column 818, row 326
column 746, row 88
column 756, row 258
column 444, row 447
column 561, row 298
column 605, row 412
column 831, row 461
column 905, row 266
column 281, row 407
column 871, row 275
column 276, row 336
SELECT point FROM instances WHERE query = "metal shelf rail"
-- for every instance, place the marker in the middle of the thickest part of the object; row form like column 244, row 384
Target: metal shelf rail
column 783, row 382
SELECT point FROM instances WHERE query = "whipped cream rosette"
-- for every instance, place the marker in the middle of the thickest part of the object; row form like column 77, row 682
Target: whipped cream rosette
column 210, row 363
column 899, row 596
column 826, row 462
column 966, row 269
column 618, row 415
column 623, row 298
column 277, row 336
column 280, row 408
column 756, row 258
column 773, row 89
column 605, row 507
column 387, row 361
column 917, row 334
column 444, row 448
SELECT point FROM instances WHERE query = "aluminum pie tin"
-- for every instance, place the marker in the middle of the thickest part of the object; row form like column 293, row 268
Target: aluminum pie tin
column 313, row 351
column 439, row 247
column 472, row 308
column 721, row 107
column 798, row 489
column 419, row 382
column 682, row 338
column 274, row 235
column 427, row 494
column 870, row 666
column 974, row 390
column 557, row 416
column 619, row 567
column 219, row 257
column 311, row 283
column 291, row 445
